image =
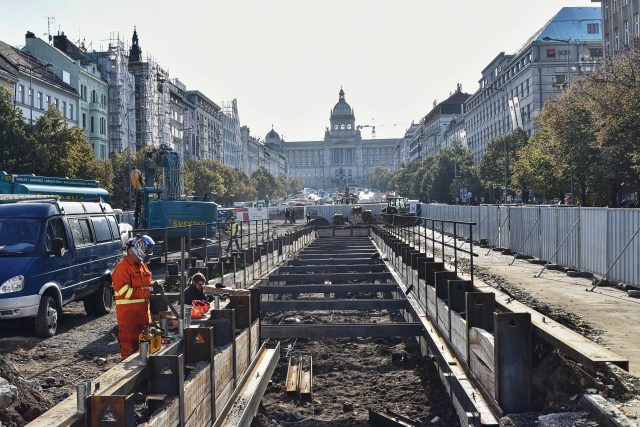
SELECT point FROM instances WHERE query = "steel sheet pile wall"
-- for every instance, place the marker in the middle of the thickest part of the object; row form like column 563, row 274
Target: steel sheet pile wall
column 585, row 239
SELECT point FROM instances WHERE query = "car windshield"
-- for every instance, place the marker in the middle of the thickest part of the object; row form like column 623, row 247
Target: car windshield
column 18, row 236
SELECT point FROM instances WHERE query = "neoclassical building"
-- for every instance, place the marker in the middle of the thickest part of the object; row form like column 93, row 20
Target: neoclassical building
column 342, row 156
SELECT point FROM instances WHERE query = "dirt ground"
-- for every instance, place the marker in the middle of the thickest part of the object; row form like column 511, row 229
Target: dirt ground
column 46, row 371
column 607, row 315
column 352, row 375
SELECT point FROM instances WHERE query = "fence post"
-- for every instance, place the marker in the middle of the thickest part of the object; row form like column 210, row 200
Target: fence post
column 579, row 263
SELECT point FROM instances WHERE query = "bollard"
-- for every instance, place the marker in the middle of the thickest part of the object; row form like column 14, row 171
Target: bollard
column 181, row 326
column 216, row 302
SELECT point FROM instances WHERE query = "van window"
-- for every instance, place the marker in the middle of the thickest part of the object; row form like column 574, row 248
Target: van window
column 18, row 236
column 101, row 228
column 115, row 230
column 81, row 231
column 55, row 230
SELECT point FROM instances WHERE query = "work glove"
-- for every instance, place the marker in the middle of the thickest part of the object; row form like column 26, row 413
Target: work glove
column 209, row 298
column 156, row 288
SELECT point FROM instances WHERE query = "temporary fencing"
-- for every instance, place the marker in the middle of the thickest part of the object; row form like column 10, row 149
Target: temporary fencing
column 602, row 241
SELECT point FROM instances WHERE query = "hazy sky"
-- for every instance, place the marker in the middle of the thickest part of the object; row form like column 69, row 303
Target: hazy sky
column 285, row 60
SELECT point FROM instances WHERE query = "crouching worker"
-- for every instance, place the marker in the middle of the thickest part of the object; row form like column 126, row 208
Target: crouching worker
column 132, row 285
column 196, row 298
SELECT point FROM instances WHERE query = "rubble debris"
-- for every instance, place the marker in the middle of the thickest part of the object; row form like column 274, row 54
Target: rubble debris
column 8, row 393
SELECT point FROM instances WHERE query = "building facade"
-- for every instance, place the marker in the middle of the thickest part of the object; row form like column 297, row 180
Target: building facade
column 404, row 145
column 514, row 88
column 342, row 157
column 93, row 114
column 620, row 23
column 113, row 66
column 429, row 138
column 39, row 86
column 151, row 99
column 231, row 136
column 206, row 133
column 265, row 154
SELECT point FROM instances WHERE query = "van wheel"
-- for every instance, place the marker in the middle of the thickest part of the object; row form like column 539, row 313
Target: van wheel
column 100, row 302
column 46, row 322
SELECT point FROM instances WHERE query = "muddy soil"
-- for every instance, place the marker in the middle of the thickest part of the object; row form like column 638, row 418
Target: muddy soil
column 46, row 371
column 352, row 375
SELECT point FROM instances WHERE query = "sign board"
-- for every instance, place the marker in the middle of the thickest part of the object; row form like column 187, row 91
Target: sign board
column 258, row 214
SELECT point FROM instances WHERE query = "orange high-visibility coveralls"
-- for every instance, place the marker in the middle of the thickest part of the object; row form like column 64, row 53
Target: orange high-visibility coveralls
column 131, row 285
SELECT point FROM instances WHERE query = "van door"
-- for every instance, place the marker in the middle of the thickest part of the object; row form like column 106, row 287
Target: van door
column 84, row 268
column 58, row 268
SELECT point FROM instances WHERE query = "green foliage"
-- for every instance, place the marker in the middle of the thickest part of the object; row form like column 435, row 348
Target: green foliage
column 589, row 136
column 492, row 166
column 439, row 177
column 16, row 147
column 382, row 178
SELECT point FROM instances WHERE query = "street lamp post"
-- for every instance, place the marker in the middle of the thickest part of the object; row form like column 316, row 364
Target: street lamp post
column 43, row 66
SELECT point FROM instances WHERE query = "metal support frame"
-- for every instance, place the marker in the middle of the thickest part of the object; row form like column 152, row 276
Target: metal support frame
column 341, row 330
column 327, row 289
column 513, row 361
column 334, row 304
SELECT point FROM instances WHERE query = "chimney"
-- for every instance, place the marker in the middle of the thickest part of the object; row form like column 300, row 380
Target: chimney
column 30, row 35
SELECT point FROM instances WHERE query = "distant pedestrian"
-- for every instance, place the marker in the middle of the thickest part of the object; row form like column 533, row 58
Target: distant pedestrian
column 286, row 216
column 233, row 233
column 308, row 216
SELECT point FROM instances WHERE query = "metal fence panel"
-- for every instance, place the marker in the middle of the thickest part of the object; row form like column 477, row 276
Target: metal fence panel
column 592, row 245
column 505, row 220
column 516, row 228
column 490, row 230
column 568, row 253
column 548, row 232
column 622, row 224
column 531, row 229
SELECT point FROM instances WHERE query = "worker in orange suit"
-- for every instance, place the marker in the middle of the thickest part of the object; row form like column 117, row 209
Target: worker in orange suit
column 132, row 285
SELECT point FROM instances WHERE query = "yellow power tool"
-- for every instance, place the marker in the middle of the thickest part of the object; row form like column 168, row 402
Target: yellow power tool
column 153, row 335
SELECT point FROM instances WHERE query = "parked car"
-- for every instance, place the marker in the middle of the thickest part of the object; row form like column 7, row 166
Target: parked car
column 53, row 253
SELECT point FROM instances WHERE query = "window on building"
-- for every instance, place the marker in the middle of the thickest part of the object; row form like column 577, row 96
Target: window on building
column 636, row 24
column 40, row 101
column 342, row 126
column 94, row 98
column 92, row 125
column 84, row 121
column 56, row 101
column 616, row 40
column 103, row 151
column 71, row 111
column 615, row 5
column 625, row 26
column 64, row 109
column 593, row 28
column 551, row 53
column 31, row 97
column 595, row 52
column 21, row 94
column 48, row 101
column 349, row 126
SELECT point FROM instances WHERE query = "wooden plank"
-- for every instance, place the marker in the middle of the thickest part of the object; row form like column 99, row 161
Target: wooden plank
column 202, row 415
column 459, row 335
column 484, row 374
column 443, row 316
column 255, row 338
column 223, row 363
column 306, row 377
column 224, row 396
column 292, row 384
column 481, row 342
column 431, row 302
column 242, row 352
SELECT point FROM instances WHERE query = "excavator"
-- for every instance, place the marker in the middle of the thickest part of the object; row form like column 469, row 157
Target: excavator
column 163, row 204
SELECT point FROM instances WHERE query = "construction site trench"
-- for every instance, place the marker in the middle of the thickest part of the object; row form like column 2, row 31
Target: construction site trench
column 329, row 326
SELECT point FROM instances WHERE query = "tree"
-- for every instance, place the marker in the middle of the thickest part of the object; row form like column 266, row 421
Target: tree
column 493, row 165
column 16, row 146
column 294, row 185
column 381, row 177
column 265, row 183
column 61, row 150
column 202, row 177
